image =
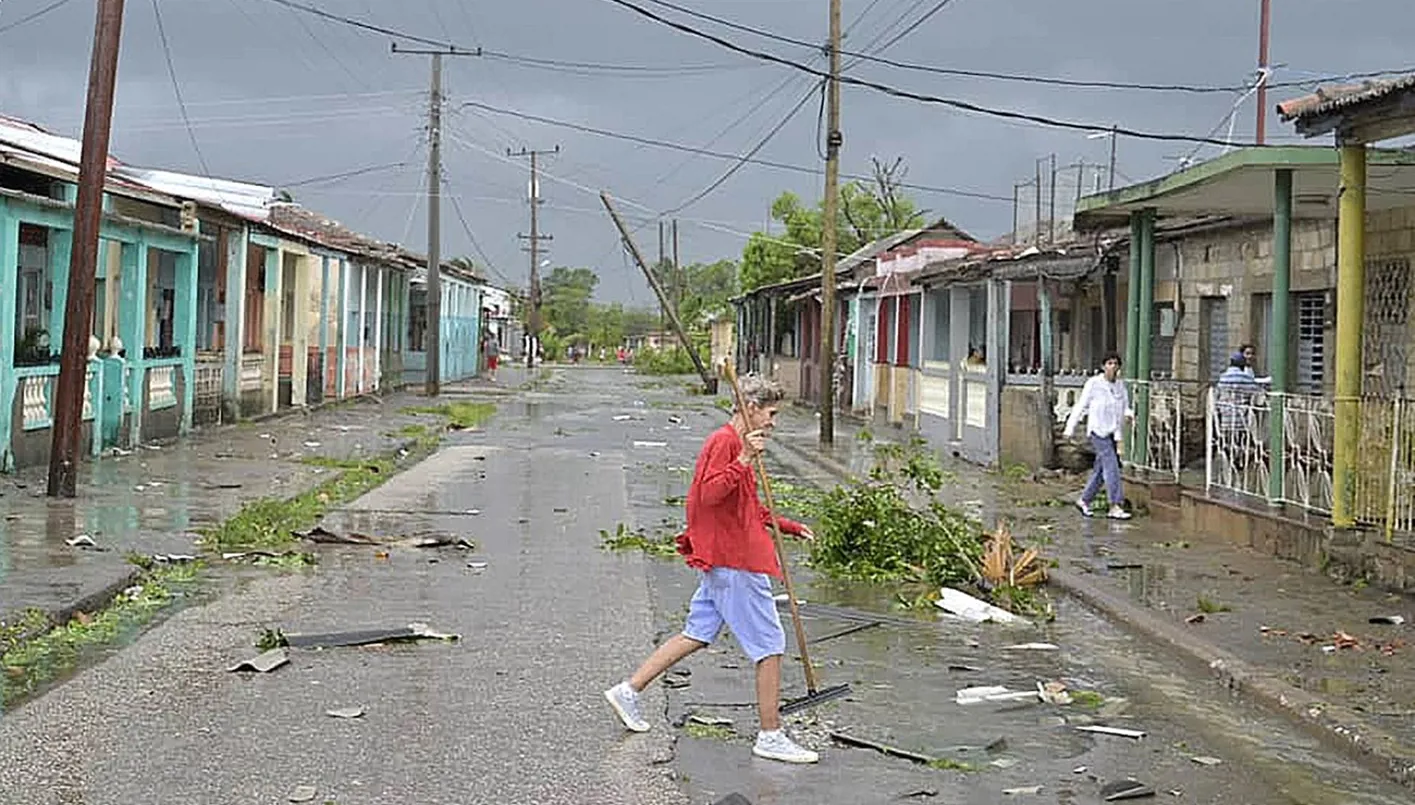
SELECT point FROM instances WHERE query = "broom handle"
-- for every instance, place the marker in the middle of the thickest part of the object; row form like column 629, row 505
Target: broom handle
column 811, row 686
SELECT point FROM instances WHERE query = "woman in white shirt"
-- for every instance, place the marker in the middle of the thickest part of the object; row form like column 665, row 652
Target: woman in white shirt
column 1106, row 406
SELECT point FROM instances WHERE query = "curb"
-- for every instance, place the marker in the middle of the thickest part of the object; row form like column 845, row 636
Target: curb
column 1336, row 727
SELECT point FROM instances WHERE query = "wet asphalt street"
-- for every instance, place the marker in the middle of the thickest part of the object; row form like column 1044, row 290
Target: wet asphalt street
column 512, row 712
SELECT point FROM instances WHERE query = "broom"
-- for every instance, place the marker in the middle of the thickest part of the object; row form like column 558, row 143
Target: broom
column 814, row 694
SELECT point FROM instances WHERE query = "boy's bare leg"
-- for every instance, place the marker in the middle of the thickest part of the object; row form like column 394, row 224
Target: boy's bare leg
column 769, row 693
column 664, row 657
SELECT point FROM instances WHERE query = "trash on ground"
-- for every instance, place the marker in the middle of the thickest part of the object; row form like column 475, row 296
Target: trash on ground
column 1080, row 770
column 623, row 417
column 218, row 485
column 1033, row 647
column 1196, row 618
column 311, row 445
column 884, row 749
column 993, row 693
column 646, row 445
column 345, row 712
column 1119, row 732
column 477, row 565
column 81, row 541
column 676, row 682
column 366, row 637
column 323, row 536
column 1389, row 620
column 709, row 721
column 918, row 793
column 1125, row 789
column 173, row 558
column 262, row 664
column 859, row 627
column 957, row 668
column 783, row 598
column 957, row 602
column 1031, row 789
column 303, row 793
column 1054, row 693
column 1203, row 760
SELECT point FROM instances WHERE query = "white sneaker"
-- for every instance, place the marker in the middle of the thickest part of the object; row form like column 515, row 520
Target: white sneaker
column 776, row 746
column 625, row 702
column 1118, row 513
column 1083, row 507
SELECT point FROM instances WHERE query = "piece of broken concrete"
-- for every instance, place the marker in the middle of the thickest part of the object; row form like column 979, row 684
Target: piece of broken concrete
column 993, row 693
column 262, row 664
column 303, row 793
column 345, row 712
column 1031, row 789
column 974, row 610
column 1119, row 732
column 1204, row 760
column 1125, row 789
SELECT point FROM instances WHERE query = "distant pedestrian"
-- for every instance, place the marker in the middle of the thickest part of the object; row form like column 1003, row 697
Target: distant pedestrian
column 492, row 347
column 727, row 542
column 1105, row 404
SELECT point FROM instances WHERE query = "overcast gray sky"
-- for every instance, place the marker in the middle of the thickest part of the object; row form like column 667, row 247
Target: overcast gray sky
column 278, row 96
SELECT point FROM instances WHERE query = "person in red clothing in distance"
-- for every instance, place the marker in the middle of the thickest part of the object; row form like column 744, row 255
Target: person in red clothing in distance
column 727, row 541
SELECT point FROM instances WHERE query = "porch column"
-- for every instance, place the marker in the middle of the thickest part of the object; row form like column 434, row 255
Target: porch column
column 378, row 332
column 341, row 361
column 300, row 337
column 1278, row 338
column 234, row 342
column 185, row 326
column 9, row 292
column 1132, row 298
column 132, row 328
column 61, row 245
column 1048, row 342
column 274, row 270
column 323, row 325
column 363, row 313
column 998, row 336
column 1141, row 448
column 1350, row 311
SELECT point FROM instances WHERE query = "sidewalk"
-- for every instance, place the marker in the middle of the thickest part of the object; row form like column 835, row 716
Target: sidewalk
column 1288, row 639
column 153, row 500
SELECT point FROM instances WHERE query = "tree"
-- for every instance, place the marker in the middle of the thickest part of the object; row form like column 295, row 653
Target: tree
column 566, row 301
column 707, row 289
column 867, row 212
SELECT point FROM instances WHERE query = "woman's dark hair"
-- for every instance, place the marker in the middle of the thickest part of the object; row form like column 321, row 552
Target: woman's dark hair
column 1113, row 356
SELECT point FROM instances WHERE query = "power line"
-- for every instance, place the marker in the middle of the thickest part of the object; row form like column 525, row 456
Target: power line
column 941, row 5
column 339, row 177
column 966, row 106
column 54, row 6
column 177, row 88
column 721, row 180
column 476, row 245
column 949, row 191
column 1021, row 77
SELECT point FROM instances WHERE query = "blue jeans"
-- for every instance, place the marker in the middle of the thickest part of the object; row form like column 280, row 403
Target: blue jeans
column 1107, row 470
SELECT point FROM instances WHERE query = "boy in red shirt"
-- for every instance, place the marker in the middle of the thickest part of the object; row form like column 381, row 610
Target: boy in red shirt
column 728, row 543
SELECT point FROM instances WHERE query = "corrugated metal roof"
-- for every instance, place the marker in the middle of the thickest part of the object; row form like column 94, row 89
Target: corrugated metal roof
column 1334, row 98
column 244, row 200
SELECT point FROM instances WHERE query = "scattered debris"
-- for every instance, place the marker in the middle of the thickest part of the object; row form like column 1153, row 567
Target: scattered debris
column 783, row 598
column 1033, row 647
column 477, row 565
column 623, row 417
column 1204, row 760
column 312, row 445
column 709, row 721
column 173, row 558
column 1054, row 693
column 346, row 712
column 956, row 602
column 81, row 541
column 648, row 445
column 263, row 664
column 1389, row 620
column 366, row 637
column 303, row 793
column 1196, row 618
column 1119, row 732
column 884, row 749
column 859, row 627
column 1004, row 568
column 993, row 693
column 918, row 793
column 1080, row 770
column 323, row 536
column 1031, row 789
column 958, row 668
column 1125, row 789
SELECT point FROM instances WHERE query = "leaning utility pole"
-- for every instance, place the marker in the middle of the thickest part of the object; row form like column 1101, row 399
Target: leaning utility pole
column 533, row 315
column 677, row 272
column 709, row 381
column 433, row 383
column 833, row 142
column 83, row 255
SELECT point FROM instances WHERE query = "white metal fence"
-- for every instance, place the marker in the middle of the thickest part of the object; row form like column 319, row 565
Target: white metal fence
column 1170, row 402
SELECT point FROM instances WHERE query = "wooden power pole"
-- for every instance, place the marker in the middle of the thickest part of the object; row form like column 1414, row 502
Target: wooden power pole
column 433, row 381
column 833, row 142
column 709, row 381
column 1265, row 19
column 83, row 257
column 535, row 238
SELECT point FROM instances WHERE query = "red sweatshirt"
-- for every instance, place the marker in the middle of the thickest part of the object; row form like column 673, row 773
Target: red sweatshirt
column 727, row 524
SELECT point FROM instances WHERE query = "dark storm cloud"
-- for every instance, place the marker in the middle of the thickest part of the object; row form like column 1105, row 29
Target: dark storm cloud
column 277, row 96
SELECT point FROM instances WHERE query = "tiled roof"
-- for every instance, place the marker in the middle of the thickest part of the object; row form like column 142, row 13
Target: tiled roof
column 1335, row 98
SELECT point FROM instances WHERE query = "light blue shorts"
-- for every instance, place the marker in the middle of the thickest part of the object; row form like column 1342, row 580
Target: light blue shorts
column 742, row 601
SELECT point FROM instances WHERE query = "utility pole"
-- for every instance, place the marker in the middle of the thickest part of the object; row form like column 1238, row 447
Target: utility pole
column 1037, row 207
column 535, row 238
column 1264, row 29
column 833, row 141
column 433, row 382
column 677, row 272
column 662, row 322
column 1051, row 212
column 1114, row 133
column 83, row 257
column 709, row 381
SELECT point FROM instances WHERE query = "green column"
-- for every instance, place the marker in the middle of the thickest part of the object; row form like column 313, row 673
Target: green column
column 185, row 326
column 1278, row 338
column 61, row 244
column 340, row 360
column 323, row 325
column 1132, row 299
column 132, row 328
column 237, row 256
column 1140, row 449
column 274, row 315
column 9, row 292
